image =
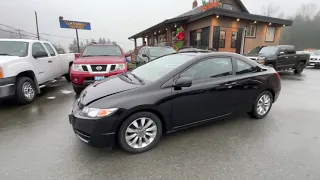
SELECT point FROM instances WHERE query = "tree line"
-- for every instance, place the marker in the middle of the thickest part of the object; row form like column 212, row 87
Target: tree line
column 73, row 47
column 305, row 30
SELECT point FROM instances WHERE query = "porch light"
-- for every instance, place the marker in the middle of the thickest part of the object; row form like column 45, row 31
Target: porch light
column 217, row 16
column 166, row 29
column 175, row 25
column 270, row 24
column 159, row 31
column 238, row 19
column 146, row 36
column 284, row 25
column 155, row 32
column 255, row 22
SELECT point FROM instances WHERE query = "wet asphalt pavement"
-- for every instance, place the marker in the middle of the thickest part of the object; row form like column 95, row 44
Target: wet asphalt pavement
column 37, row 142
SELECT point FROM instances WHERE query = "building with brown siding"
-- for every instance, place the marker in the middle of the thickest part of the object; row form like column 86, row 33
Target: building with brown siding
column 225, row 26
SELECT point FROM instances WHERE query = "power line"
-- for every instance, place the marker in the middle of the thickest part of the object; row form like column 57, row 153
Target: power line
column 16, row 33
column 47, row 34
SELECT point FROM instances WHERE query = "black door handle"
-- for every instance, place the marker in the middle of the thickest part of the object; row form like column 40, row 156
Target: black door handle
column 49, row 61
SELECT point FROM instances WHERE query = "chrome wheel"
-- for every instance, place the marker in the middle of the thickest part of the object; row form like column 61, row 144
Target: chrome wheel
column 141, row 133
column 264, row 104
column 28, row 90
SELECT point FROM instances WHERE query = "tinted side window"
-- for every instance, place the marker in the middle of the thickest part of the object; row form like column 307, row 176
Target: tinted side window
column 51, row 51
column 210, row 68
column 37, row 47
column 244, row 67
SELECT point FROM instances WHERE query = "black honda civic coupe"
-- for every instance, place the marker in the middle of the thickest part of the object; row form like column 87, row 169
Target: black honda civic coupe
column 176, row 91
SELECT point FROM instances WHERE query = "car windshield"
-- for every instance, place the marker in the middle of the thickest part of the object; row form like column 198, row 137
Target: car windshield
column 268, row 50
column 13, row 48
column 100, row 50
column 315, row 53
column 160, row 51
column 254, row 51
column 158, row 68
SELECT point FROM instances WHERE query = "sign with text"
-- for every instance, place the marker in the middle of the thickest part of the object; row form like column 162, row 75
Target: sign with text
column 75, row 24
column 209, row 6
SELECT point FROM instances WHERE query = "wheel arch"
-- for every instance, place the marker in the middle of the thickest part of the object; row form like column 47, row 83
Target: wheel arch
column 150, row 109
column 30, row 74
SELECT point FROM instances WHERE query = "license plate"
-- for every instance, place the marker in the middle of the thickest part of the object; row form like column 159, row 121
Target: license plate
column 98, row 78
column 312, row 64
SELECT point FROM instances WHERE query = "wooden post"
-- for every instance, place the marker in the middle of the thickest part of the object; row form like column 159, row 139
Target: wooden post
column 135, row 43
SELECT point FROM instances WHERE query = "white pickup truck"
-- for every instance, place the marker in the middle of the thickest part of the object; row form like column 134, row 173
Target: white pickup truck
column 28, row 65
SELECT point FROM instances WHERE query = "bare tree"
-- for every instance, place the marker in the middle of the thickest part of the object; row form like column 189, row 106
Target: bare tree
column 308, row 11
column 270, row 10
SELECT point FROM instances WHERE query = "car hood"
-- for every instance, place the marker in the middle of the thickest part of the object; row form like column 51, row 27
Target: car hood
column 7, row 59
column 100, row 60
column 104, row 88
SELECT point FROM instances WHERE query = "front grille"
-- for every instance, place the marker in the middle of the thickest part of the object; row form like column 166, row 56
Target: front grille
column 113, row 67
column 99, row 68
column 85, row 68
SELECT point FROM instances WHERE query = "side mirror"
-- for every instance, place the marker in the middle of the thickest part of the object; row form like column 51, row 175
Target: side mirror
column 127, row 55
column 146, row 56
column 183, row 82
column 40, row 54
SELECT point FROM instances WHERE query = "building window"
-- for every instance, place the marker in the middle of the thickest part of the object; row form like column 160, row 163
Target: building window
column 227, row 6
column 251, row 31
column 233, row 39
column 270, row 34
column 222, row 40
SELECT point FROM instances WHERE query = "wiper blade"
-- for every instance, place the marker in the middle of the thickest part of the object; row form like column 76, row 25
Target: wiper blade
column 139, row 79
column 125, row 75
column 5, row 54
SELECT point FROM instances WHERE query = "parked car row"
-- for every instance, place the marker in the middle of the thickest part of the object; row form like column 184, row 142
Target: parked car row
column 26, row 66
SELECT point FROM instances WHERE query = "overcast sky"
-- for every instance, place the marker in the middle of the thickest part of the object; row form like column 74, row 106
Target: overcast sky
column 114, row 19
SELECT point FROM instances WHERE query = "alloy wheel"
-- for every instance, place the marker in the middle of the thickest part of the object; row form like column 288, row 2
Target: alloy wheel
column 263, row 104
column 141, row 133
column 28, row 90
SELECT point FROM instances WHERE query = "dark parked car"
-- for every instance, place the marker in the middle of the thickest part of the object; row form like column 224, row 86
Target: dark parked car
column 148, row 53
column 170, row 93
column 283, row 57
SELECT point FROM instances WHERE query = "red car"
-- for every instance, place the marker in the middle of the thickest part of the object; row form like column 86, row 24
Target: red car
column 97, row 61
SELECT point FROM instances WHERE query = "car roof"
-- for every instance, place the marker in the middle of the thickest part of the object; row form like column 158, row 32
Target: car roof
column 23, row 40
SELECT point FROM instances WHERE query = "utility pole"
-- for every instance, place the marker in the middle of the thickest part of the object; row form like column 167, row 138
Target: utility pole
column 35, row 13
column 19, row 30
column 78, row 41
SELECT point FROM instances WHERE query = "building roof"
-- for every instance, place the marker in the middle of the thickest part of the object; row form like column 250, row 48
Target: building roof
column 197, row 14
column 198, row 9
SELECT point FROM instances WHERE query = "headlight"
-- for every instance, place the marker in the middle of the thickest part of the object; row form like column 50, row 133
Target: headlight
column 120, row 67
column 77, row 67
column 96, row 112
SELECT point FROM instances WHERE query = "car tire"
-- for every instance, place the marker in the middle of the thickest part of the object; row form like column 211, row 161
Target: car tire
column 67, row 76
column 137, row 135
column 25, row 90
column 77, row 90
column 299, row 69
column 262, row 105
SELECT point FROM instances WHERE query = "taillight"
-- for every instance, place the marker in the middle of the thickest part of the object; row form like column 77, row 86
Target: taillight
column 278, row 75
column 1, row 73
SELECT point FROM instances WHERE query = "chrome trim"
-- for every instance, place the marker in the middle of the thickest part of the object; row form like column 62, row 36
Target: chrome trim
column 84, row 140
column 205, row 120
column 7, row 85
